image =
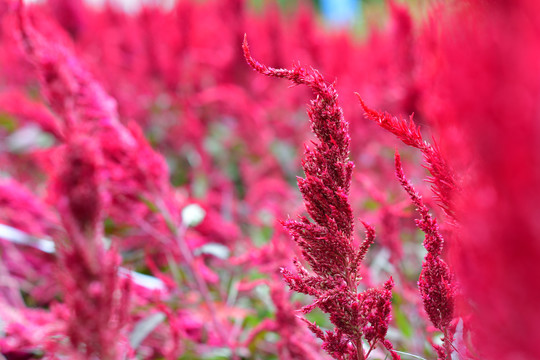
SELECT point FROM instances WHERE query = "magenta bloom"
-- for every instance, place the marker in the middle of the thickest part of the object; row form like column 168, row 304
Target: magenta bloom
column 327, row 240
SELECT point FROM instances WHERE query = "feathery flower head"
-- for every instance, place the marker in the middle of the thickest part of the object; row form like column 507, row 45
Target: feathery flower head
column 133, row 169
column 436, row 282
column 327, row 240
column 442, row 176
column 79, row 183
column 94, row 293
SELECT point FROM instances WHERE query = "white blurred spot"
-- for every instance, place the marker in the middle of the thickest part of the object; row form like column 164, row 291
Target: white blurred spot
column 192, row 215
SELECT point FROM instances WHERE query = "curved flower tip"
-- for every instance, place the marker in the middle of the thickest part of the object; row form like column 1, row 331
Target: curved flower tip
column 326, row 241
column 295, row 75
column 389, row 284
column 247, row 53
column 372, row 114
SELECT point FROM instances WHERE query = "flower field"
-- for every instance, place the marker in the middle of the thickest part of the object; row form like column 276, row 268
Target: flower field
column 233, row 179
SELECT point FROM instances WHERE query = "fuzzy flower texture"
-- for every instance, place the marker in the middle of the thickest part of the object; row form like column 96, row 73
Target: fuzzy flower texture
column 327, row 240
column 436, row 283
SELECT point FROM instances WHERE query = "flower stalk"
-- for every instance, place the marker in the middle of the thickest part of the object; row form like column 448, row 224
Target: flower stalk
column 327, row 237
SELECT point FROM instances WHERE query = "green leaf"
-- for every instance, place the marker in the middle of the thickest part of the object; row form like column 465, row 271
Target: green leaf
column 8, row 122
column 371, row 205
column 151, row 206
column 318, row 317
column 403, row 323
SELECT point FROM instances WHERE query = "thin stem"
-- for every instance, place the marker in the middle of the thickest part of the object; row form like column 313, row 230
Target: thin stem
column 411, row 355
column 447, row 345
column 201, row 285
column 457, row 352
column 188, row 259
column 353, row 288
column 360, row 349
column 371, row 347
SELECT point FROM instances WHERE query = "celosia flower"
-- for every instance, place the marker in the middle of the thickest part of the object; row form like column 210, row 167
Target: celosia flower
column 295, row 342
column 327, row 240
column 17, row 104
column 27, row 332
column 137, row 176
column 70, row 14
column 94, row 293
column 436, row 282
column 23, row 210
column 442, row 177
column 134, row 170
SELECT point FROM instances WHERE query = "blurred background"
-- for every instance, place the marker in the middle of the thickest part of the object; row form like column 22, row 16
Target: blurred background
column 335, row 13
column 207, row 131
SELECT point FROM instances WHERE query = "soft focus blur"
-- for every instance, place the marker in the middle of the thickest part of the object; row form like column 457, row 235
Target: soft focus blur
column 146, row 172
column 337, row 13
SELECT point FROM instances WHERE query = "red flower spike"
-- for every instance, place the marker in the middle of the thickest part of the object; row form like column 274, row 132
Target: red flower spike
column 327, row 240
column 79, row 182
column 436, row 282
column 442, row 177
column 94, row 293
column 133, row 168
column 361, row 253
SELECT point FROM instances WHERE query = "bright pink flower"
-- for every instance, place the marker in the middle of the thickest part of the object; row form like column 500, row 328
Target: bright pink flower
column 134, row 171
column 484, row 100
column 93, row 292
column 70, row 14
column 436, row 282
column 327, row 241
column 442, row 177
column 23, row 210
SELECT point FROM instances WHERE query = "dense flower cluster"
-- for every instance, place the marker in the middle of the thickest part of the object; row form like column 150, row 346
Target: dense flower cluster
column 436, row 283
column 442, row 177
column 327, row 242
